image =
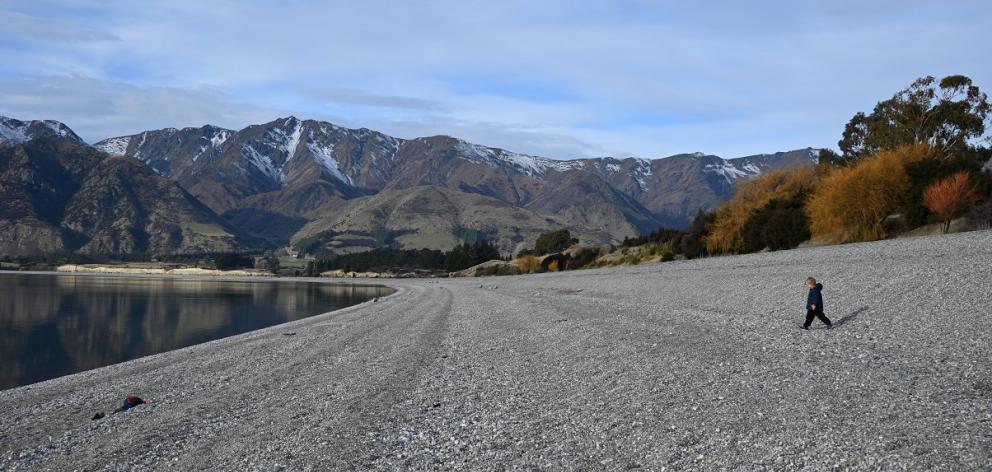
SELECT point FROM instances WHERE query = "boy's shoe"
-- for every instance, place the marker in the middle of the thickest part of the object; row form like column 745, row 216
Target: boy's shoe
column 804, row 327
column 830, row 326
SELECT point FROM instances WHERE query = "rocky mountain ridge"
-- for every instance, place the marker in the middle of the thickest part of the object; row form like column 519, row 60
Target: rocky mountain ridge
column 58, row 194
column 280, row 181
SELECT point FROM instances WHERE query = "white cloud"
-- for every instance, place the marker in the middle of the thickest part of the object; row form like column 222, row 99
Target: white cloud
column 20, row 25
column 555, row 78
column 360, row 98
column 98, row 109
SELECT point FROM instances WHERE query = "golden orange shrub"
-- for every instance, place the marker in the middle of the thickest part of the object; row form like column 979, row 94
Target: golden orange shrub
column 527, row 264
column 850, row 203
column 948, row 197
column 751, row 196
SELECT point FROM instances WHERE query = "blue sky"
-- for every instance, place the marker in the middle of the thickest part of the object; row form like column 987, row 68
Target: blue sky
column 555, row 78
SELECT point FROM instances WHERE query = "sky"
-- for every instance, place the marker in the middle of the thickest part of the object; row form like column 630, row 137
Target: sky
column 553, row 78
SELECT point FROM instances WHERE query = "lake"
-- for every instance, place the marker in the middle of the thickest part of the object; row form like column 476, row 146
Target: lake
column 54, row 325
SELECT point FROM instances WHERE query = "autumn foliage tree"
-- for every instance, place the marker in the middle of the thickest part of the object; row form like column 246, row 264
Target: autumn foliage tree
column 850, row 203
column 726, row 232
column 948, row 197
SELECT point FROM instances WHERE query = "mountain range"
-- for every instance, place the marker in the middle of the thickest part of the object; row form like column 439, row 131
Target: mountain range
column 59, row 194
column 316, row 186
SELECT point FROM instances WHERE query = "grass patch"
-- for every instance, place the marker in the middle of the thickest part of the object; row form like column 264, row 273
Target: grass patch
column 204, row 229
column 292, row 262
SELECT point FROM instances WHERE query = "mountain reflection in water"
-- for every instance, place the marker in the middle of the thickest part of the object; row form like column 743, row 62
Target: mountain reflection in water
column 54, row 325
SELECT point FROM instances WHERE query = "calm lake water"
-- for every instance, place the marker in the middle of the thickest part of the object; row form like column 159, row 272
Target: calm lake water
column 54, row 325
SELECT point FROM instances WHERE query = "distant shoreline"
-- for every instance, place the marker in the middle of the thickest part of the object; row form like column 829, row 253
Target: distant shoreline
column 156, row 269
column 220, row 278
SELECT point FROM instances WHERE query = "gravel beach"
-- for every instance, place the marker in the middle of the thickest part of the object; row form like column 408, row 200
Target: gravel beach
column 683, row 365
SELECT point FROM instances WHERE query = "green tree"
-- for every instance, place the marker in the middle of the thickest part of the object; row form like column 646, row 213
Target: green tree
column 232, row 260
column 554, row 241
column 827, row 158
column 464, row 256
column 694, row 242
column 659, row 236
column 781, row 224
column 948, row 115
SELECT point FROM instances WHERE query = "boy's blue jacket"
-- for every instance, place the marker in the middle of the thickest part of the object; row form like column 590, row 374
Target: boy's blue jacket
column 815, row 298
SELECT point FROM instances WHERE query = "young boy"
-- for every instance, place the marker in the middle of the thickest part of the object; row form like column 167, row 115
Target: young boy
column 814, row 304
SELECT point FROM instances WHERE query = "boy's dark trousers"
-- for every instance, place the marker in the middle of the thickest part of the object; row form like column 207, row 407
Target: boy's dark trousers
column 810, row 314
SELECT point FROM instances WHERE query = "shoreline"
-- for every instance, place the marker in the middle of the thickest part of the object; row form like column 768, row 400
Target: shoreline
column 689, row 364
column 205, row 278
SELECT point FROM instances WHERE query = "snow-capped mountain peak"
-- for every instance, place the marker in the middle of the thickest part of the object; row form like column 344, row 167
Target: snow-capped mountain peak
column 14, row 131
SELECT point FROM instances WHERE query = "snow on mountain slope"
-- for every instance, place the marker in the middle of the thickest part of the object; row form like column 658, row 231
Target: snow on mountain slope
column 141, row 144
column 530, row 165
column 640, row 171
column 275, row 148
column 324, row 157
column 114, row 146
column 220, row 137
column 729, row 171
column 13, row 131
column 391, row 145
column 287, row 138
column 262, row 162
column 57, row 128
